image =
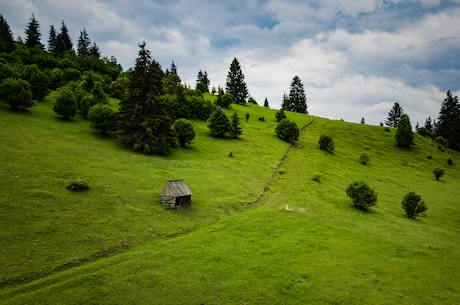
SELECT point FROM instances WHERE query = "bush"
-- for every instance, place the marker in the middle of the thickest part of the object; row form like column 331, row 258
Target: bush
column 364, row 159
column 103, row 118
column 65, row 104
column 77, row 185
column 361, row 194
column 441, row 141
column 287, row 130
column 438, row 173
column 17, row 93
column 404, row 135
column 280, row 115
column 185, row 131
column 326, row 143
column 413, row 206
column 316, row 178
column 450, row 161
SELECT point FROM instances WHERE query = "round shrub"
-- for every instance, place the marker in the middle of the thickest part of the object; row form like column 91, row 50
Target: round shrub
column 103, row 118
column 287, row 130
column 65, row 104
column 17, row 93
column 185, row 131
column 326, row 143
column 438, row 173
column 77, row 185
column 361, row 194
column 413, row 205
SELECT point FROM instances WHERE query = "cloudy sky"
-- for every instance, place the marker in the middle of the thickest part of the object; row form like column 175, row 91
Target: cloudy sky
column 355, row 58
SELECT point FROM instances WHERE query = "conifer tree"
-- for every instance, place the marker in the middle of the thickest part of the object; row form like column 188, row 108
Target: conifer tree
column 448, row 124
column 394, row 115
column 52, row 38
column 218, row 123
column 63, row 42
column 297, row 101
column 33, row 34
column 202, row 81
column 235, row 129
column 236, row 85
column 6, row 37
column 83, row 43
column 266, row 103
column 404, row 134
column 143, row 122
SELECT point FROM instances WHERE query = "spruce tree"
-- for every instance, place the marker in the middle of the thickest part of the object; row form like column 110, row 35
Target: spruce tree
column 404, row 134
column 83, row 43
column 236, row 85
column 266, row 103
column 394, row 115
column 202, row 81
column 143, row 122
column 297, row 100
column 218, row 123
column 33, row 34
column 6, row 37
column 235, row 129
column 63, row 42
column 52, row 39
column 448, row 124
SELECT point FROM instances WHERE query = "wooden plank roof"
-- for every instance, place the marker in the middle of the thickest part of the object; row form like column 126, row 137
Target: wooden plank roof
column 176, row 188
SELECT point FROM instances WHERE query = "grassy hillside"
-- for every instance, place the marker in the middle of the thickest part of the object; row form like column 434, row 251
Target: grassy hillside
column 237, row 244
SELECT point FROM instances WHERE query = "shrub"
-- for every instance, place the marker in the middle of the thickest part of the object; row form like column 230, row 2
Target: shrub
column 280, row 115
column 17, row 93
column 438, row 173
column 65, row 104
column 404, row 135
column 287, row 130
column 185, row 131
column 441, row 141
column 316, row 178
column 450, row 161
column 262, row 119
column 386, row 129
column 413, row 205
column 361, row 194
column 364, row 159
column 326, row 143
column 77, row 185
column 103, row 118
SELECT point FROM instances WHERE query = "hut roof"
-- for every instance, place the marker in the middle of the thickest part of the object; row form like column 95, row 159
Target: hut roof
column 176, row 188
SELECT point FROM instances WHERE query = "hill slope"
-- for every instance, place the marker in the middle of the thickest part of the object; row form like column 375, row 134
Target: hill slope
column 238, row 244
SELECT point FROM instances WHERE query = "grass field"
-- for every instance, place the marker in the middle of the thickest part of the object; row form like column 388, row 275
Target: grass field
column 237, row 244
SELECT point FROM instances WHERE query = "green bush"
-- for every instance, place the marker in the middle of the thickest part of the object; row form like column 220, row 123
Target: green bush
column 280, row 115
column 103, row 118
column 450, row 161
column 77, row 185
column 326, row 143
column 17, row 93
column 287, row 130
column 413, row 205
column 316, row 178
column 361, row 194
column 66, row 103
column 185, row 131
column 364, row 159
column 438, row 173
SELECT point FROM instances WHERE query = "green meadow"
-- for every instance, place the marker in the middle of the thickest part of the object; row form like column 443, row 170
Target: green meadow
column 270, row 224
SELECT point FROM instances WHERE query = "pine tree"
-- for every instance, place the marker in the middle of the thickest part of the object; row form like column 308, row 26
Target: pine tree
column 404, row 134
column 94, row 51
column 52, row 39
column 218, row 123
column 63, row 42
column 83, row 43
column 394, row 115
column 235, row 129
column 202, row 81
column 143, row 121
column 448, row 124
column 236, row 85
column 429, row 124
column 297, row 99
column 285, row 103
column 6, row 37
column 33, row 34
column 266, row 103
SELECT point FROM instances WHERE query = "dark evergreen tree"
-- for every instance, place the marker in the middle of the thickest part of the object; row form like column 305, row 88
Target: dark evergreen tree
column 404, row 134
column 266, row 103
column 94, row 51
column 143, row 121
column 287, row 130
column 52, row 39
column 218, row 123
column 235, row 128
column 63, row 42
column 33, row 34
column 66, row 103
column 448, row 124
column 6, row 37
column 285, row 103
column 185, row 132
column 202, row 81
column 394, row 115
column 297, row 101
column 83, row 43
column 429, row 124
column 280, row 115
column 236, row 85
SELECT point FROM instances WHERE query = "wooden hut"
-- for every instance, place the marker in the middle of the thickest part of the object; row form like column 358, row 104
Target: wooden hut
column 176, row 194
